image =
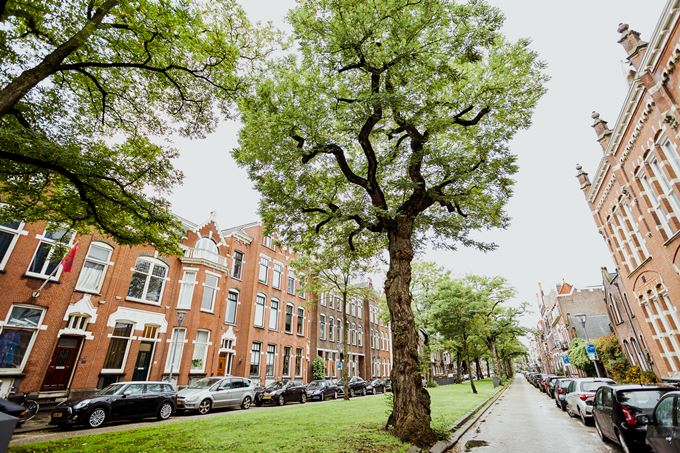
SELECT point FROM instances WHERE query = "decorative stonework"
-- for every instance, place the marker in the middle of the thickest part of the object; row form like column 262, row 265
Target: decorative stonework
column 607, row 189
column 644, row 116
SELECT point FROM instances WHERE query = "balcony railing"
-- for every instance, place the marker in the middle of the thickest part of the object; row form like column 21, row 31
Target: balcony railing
column 206, row 255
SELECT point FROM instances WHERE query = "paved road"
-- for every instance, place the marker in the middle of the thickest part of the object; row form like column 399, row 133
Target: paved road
column 527, row 421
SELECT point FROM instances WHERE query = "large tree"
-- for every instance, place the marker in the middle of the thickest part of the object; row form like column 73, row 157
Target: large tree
column 393, row 117
column 85, row 85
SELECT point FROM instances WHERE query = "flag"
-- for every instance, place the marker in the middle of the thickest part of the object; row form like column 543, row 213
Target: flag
column 67, row 261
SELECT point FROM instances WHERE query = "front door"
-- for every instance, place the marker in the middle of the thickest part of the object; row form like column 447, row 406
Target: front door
column 63, row 364
column 222, row 364
column 143, row 361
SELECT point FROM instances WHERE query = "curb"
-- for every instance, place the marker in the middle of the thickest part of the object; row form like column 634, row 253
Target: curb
column 462, row 425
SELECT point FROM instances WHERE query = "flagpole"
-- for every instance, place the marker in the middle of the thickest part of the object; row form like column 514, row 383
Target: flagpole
column 36, row 293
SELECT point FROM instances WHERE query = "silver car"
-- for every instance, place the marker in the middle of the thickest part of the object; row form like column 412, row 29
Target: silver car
column 215, row 392
column 580, row 396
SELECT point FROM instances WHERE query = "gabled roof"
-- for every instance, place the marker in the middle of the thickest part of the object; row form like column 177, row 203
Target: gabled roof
column 239, row 231
column 565, row 289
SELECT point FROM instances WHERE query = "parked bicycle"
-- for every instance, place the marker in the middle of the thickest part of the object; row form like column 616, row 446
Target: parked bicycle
column 32, row 406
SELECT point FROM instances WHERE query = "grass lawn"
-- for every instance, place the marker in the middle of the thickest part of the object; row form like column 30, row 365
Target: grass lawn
column 337, row 426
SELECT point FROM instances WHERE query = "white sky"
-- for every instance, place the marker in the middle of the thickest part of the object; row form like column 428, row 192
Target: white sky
column 552, row 235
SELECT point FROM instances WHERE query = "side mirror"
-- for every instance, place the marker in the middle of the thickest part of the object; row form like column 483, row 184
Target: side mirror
column 126, row 393
column 643, row 419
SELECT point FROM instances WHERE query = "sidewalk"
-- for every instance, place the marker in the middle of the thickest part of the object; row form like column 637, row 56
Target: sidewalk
column 37, row 423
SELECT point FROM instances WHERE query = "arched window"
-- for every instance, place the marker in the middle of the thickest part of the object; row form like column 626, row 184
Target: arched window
column 148, row 279
column 207, row 249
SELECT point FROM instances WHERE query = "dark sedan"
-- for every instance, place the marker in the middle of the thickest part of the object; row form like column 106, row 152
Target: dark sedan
column 119, row 401
column 322, row 389
column 15, row 410
column 281, row 392
column 375, row 386
column 618, row 409
column 357, row 386
column 663, row 427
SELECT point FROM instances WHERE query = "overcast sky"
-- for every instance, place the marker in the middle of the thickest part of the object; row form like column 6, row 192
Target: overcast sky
column 552, row 236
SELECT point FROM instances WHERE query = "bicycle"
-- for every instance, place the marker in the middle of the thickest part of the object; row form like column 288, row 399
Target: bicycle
column 32, row 406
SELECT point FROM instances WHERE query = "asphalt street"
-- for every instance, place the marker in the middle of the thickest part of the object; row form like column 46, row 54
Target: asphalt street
column 526, row 420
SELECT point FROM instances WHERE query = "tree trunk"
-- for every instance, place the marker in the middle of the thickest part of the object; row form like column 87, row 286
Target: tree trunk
column 459, row 367
column 411, row 403
column 479, row 368
column 497, row 370
column 345, row 348
column 488, row 369
column 469, row 364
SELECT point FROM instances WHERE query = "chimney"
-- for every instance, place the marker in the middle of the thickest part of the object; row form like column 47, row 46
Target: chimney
column 602, row 131
column 634, row 46
column 582, row 177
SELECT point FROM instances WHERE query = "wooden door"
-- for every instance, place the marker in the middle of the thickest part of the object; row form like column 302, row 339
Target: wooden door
column 62, row 365
column 222, row 364
column 143, row 361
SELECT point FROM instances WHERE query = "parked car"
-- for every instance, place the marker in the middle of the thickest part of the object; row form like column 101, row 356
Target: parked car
column 15, row 410
column 119, row 401
column 561, row 386
column 550, row 385
column 281, row 392
column 617, row 410
column 357, row 386
column 388, row 385
column 215, row 392
column 663, row 432
column 375, row 386
column 580, row 396
column 540, row 381
column 322, row 389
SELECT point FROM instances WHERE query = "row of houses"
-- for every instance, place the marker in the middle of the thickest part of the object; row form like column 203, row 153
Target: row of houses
column 634, row 198
column 231, row 305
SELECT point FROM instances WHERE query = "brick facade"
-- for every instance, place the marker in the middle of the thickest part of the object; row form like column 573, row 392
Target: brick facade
column 635, row 193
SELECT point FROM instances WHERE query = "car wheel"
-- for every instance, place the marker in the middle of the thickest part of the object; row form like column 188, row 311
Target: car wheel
column 281, row 400
column 165, row 411
column 623, row 443
column 603, row 438
column 335, row 395
column 96, row 418
column 205, row 406
column 363, row 391
column 303, row 398
column 583, row 418
column 374, row 392
column 245, row 404
column 258, row 403
column 351, row 393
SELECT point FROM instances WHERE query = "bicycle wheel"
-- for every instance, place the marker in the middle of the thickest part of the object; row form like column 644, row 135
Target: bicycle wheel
column 32, row 408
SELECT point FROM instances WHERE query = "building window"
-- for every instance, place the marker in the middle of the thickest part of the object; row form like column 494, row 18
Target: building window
column 338, row 324
column 232, row 304
column 237, row 265
column 118, row 346
column 658, row 207
column 264, row 269
column 209, row 292
column 148, row 279
column 207, row 249
column 200, row 351
column 291, row 282
column 360, row 308
column 286, row 361
column 276, row 276
column 331, row 329
column 641, row 357
column 174, row 358
column 186, row 291
column 666, row 185
column 150, row 331
column 300, row 321
column 372, row 338
column 331, row 300
column 289, row 318
column 322, row 326
column 259, row 310
column 354, row 334
column 44, row 263
column 360, row 336
column 271, row 354
column 94, row 268
column 255, row 350
column 274, row 314
column 616, row 314
column 268, row 242
column 9, row 234
column 77, row 321
column 298, row 362
column 322, row 299
column 18, row 335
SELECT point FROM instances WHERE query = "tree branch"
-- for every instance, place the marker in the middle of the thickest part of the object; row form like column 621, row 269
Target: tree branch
column 457, row 119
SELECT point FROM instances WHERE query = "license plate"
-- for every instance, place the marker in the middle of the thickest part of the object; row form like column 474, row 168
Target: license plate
column 266, row 397
column 57, row 415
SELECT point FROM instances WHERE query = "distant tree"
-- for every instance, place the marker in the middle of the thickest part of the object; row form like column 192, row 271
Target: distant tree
column 318, row 368
column 395, row 120
column 578, row 357
column 85, row 85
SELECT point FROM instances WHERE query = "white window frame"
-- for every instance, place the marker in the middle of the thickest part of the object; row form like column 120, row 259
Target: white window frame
column 174, row 344
column 322, row 325
column 658, row 207
column 154, row 262
column 274, row 313
column 215, row 290
column 331, row 330
column 273, row 361
column 19, row 231
column 186, row 286
column 263, row 298
column 43, row 239
column 198, row 344
column 226, row 313
column 263, row 261
column 233, row 264
column 292, row 318
column 289, row 279
column 127, row 346
column 31, row 342
column 300, row 322
column 277, row 275
column 105, row 263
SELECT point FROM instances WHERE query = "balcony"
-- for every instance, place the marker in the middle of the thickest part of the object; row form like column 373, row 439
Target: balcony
column 205, row 257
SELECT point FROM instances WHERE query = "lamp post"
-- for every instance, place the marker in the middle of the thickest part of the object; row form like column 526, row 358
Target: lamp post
column 583, row 318
column 180, row 318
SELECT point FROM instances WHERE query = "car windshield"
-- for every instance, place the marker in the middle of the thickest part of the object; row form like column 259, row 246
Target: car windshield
column 276, row 385
column 316, row 384
column 592, row 386
column 110, row 390
column 204, row 383
column 564, row 384
column 641, row 398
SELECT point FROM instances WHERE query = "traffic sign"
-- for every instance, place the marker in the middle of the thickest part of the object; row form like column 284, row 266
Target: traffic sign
column 590, row 350
column 565, row 360
column 339, row 365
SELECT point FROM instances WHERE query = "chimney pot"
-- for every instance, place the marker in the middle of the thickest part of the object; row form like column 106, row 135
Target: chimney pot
column 622, row 28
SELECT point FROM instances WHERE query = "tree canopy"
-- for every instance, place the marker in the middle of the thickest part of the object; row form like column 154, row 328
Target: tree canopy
column 86, row 86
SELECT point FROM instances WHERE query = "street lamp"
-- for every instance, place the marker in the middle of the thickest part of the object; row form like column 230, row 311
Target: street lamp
column 582, row 317
column 180, row 318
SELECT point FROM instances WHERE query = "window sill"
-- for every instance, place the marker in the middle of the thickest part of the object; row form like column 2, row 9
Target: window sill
column 111, row 372
column 88, row 291
column 261, row 282
column 41, row 277
column 672, row 238
column 197, row 372
column 142, row 301
column 236, row 278
column 212, row 312
column 289, row 333
column 230, row 323
column 258, row 327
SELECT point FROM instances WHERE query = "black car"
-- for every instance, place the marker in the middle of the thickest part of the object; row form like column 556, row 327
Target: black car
column 617, row 410
column 663, row 428
column 357, row 386
column 119, row 401
column 281, row 392
column 14, row 409
column 560, row 389
column 550, row 385
column 388, row 385
column 375, row 386
column 322, row 389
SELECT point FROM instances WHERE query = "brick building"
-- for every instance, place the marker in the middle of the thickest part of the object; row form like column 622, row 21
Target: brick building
column 229, row 305
column 634, row 196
